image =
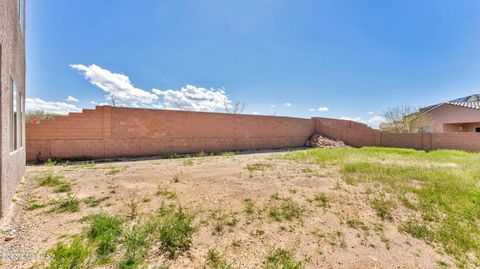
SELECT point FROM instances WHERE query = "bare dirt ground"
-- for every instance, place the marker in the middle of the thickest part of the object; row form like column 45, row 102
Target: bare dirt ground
column 340, row 230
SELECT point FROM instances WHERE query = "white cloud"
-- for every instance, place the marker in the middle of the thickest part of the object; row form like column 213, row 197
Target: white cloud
column 323, row 109
column 371, row 113
column 376, row 120
column 311, row 110
column 117, row 86
column 37, row 104
column 373, row 121
column 72, row 99
column 272, row 106
column 287, row 104
column 194, row 98
column 357, row 119
column 255, row 113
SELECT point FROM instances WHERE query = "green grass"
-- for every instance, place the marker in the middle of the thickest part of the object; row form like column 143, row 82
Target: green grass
column 34, row 206
column 136, row 243
column 113, row 171
column 443, row 187
column 92, row 201
column 321, row 200
column 166, row 194
column 382, row 208
column 281, row 259
column 174, row 229
column 105, row 231
column 69, row 204
column 280, row 209
column 258, row 166
column 50, row 180
column 222, row 220
column 188, row 162
column 76, row 254
column 64, row 187
column 215, row 260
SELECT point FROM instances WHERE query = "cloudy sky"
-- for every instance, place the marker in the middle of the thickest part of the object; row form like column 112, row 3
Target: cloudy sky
column 342, row 59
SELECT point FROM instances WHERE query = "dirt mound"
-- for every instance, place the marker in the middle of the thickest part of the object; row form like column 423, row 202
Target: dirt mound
column 318, row 141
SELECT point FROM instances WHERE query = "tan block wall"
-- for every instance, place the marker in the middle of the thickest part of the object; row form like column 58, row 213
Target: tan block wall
column 12, row 67
column 359, row 135
column 127, row 132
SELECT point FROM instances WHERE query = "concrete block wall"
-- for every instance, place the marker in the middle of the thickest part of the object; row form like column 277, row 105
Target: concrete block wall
column 127, row 132
column 358, row 135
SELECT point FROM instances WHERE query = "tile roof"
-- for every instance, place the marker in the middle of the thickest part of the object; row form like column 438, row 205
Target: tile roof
column 471, row 101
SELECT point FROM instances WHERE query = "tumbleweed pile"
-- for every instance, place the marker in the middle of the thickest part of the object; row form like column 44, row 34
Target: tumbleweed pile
column 318, row 141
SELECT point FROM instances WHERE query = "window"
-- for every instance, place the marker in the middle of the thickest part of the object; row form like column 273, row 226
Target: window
column 16, row 119
column 477, row 130
column 21, row 111
column 21, row 6
column 13, row 119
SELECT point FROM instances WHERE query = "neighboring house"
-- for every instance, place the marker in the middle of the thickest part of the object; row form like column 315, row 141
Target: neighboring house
column 12, row 99
column 459, row 115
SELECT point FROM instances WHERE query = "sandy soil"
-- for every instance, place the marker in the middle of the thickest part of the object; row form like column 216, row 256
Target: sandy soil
column 322, row 238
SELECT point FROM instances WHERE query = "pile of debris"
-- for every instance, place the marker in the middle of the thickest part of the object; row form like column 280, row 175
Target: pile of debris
column 318, row 141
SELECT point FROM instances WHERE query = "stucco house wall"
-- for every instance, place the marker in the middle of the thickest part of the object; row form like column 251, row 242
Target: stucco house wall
column 457, row 118
column 12, row 71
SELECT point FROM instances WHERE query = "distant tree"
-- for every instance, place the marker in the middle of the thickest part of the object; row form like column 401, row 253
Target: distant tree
column 237, row 108
column 39, row 116
column 406, row 119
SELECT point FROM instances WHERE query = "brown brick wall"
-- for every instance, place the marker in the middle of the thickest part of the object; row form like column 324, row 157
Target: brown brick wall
column 127, row 132
column 116, row 132
column 359, row 135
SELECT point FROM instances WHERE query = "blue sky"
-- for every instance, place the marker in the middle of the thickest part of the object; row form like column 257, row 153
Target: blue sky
column 352, row 57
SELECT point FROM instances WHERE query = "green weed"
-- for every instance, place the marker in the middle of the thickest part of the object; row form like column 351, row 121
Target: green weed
column 216, row 261
column 77, row 254
column 281, row 259
column 258, row 166
column 105, row 231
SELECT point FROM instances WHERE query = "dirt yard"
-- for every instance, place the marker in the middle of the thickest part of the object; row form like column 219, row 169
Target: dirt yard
column 256, row 210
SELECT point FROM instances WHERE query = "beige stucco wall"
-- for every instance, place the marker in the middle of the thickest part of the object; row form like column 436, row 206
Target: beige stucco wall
column 450, row 114
column 12, row 67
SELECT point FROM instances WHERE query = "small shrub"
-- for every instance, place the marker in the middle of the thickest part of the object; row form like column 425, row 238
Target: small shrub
column 382, row 208
column 166, row 194
column 174, row 229
column 417, row 230
column 63, row 187
column 34, row 206
column 136, row 245
column 188, row 162
column 281, row 259
column 249, row 206
column 215, row 260
column 77, row 254
column 223, row 219
column 105, row 231
column 228, row 154
column 68, row 204
column 92, row 201
column 175, row 179
column 113, row 171
column 280, row 209
column 258, row 166
column 49, row 180
column 133, row 209
column 321, row 200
